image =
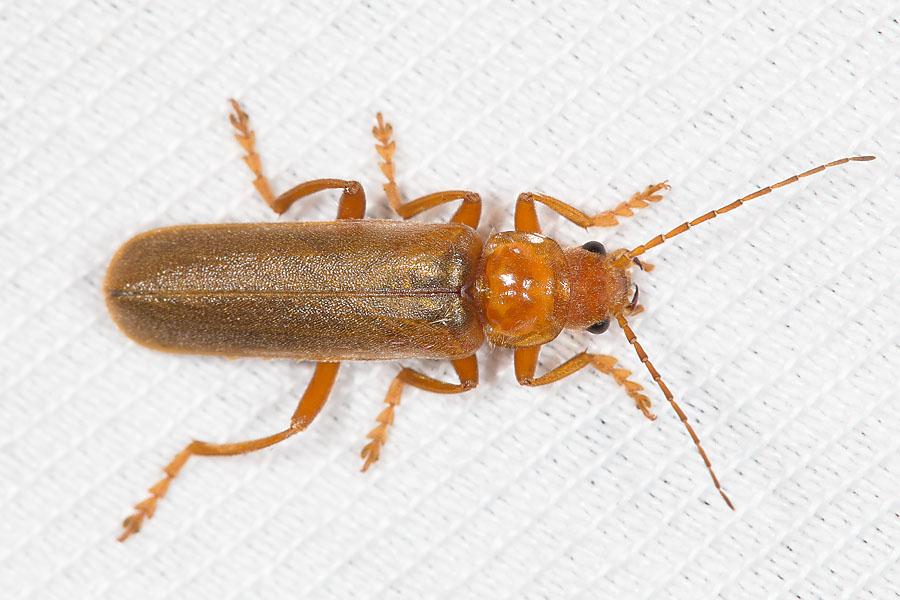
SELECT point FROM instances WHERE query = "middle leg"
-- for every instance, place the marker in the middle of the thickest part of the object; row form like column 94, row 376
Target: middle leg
column 466, row 370
column 468, row 213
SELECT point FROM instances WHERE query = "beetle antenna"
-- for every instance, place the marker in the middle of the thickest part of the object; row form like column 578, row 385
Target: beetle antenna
column 627, row 256
column 632, row 339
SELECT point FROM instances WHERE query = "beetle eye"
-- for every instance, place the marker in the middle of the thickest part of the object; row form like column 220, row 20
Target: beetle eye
column 600, row 326
column 595, row 247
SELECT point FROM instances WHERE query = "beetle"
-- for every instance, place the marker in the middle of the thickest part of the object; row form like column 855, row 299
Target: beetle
column 355, row 290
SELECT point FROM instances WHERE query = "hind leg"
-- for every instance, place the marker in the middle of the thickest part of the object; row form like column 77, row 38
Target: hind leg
column 353, row 199
column 310, row 404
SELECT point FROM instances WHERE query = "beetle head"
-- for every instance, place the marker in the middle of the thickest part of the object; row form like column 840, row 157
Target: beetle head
column 599, row 288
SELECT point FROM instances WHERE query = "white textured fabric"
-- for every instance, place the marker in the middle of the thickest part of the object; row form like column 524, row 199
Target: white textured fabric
column 776, row 325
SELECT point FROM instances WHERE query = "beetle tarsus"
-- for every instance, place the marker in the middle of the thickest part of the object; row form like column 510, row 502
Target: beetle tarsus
column 527, row 220
column 372, row 451
column 469, row 211
column 247, row 139
column 145, row 509
column 385, row 147
column 610, row 218
column 467, row 371
column 526, row 365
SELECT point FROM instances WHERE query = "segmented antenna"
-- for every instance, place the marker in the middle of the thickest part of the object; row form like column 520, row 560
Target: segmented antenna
column 626, row 257
column 632, row 339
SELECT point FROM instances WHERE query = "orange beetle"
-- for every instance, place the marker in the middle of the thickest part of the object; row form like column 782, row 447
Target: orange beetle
column 353, row 289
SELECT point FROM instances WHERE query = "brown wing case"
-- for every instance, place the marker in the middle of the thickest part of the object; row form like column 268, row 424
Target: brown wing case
column 342, row 290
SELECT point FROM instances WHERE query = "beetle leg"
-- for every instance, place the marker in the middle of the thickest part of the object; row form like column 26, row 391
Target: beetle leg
column 310, row 404
column 247, row 139
column 385, row 147
column 466, row 370
column 351, row 206
column 353, row 200
column 526, row 364
column 527, row 220
column 468, row 213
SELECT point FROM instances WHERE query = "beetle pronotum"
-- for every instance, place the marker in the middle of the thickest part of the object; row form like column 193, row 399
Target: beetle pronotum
column 354, row 289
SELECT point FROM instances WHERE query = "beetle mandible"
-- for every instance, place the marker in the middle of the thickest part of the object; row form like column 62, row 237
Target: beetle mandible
column 354, row 289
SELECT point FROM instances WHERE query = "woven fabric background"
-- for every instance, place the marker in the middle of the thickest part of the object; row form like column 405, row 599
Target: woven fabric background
column 776, row 325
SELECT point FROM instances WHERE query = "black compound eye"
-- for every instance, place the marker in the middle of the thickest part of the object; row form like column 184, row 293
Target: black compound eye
column 595, row 247
column 600, row 326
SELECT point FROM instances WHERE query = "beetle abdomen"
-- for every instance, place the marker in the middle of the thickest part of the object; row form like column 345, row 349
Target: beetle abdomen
column 342, row 290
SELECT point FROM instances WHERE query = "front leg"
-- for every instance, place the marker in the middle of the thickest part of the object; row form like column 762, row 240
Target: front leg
column 527, row 220
column 526, row 364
